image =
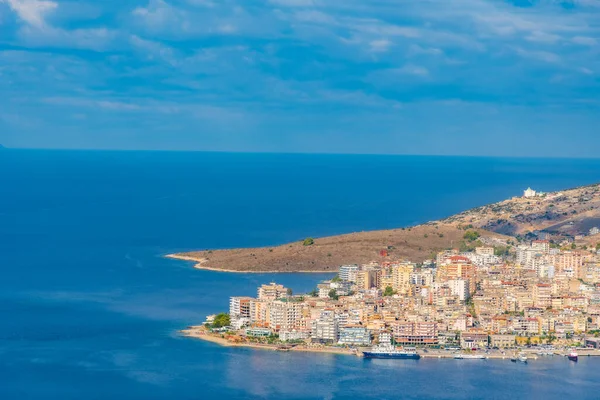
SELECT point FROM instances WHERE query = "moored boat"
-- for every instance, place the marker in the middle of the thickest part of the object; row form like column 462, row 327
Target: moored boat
column 573, row 356
column 385, row 349
column 470, row 357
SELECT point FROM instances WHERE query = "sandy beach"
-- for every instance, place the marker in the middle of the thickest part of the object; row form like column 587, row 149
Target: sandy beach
column 199, row 332
column 201, row 261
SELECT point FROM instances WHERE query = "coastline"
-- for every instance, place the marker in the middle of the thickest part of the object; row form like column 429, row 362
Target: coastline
column 199, row 332
column 199, row 261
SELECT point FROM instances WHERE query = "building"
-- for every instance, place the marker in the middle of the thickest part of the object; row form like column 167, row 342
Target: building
column 354, row 336
column 459, row 267
column 415, row 333
column 460, row 288
column 286, row 336
column 594, row 231
column 258, row 332
column 542, row 295
column 325, row 327
column 239, row 307
column 543, row 246
column 529, row 192
column 473, row 340
column 503, row 341
column 272, row 291
column 401, row 277
column 367, row 279
column 285, row 315
column 484, row 251
column 348, row 272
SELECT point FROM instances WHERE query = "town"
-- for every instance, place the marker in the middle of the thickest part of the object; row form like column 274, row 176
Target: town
column 492, row 296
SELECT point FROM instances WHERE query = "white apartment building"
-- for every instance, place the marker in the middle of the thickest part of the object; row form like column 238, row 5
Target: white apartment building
column 348, row 272
column 460, row 288
column 325, row 328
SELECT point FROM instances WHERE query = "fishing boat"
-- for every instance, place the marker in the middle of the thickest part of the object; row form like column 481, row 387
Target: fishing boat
column 573, row 356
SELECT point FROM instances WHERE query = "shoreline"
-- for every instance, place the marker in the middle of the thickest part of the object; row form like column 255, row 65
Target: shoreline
column 199, row 332
column 200, row 261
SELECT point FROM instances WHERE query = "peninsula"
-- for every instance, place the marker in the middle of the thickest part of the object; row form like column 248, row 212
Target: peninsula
column 532, row 290
column 567, row 215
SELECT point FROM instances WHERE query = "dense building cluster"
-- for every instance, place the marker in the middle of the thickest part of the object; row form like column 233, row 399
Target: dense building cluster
column 470, row 299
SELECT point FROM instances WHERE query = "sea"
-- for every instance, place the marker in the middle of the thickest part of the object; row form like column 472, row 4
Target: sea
column 90, row 308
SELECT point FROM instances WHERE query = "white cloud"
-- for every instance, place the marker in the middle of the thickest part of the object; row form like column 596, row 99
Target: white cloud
column 584, row 40
column 32, row 12
column 380, row 45
column 411, row 69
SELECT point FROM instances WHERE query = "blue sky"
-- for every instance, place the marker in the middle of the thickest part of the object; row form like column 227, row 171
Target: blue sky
column 468, row 77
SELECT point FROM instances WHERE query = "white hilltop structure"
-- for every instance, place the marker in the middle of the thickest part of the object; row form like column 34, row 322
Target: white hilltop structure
column 529, row 193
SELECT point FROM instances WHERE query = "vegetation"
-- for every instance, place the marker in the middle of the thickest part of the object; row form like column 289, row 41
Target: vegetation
column 389, row 291
column 333, row 294
column 471, row 236
column 336, row 278
column 314, row 293
column 290, row 292
column 308, row 241
column 221, row 320
column 501, row 250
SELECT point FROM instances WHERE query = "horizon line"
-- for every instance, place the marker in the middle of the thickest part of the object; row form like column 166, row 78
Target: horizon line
column 317, row 153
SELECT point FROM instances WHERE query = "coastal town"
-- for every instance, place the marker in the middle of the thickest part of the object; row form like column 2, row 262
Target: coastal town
column 487, row 297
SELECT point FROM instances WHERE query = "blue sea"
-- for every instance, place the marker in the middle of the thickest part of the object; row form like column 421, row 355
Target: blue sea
column 90, row 309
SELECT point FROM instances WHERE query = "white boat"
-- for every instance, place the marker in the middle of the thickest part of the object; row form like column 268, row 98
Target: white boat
column 470, row 357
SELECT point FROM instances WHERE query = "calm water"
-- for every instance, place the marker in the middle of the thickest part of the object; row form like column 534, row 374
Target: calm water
column 89, row 309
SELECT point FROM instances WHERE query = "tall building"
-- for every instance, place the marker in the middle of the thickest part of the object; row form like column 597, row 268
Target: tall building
column 285, row 315
column 239, row 307
column 458, row 268
column 348, row 272
column 325, row 327
column 401, row 277
column 367, row 279
column 460, row 288
column 272, row 291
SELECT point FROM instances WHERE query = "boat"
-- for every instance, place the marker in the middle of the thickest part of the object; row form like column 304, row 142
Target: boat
column 521, row 357
column 573, row 356
column 470, row 357
column 385, row 349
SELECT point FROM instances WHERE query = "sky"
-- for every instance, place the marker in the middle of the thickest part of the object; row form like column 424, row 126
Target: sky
column 447, row 77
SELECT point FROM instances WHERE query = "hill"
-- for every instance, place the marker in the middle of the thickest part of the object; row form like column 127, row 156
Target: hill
column 560, row 215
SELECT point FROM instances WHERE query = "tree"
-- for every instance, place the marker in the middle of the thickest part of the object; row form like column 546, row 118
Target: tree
column 573, row 246
column 221, row 320
column 290, row 291
column 308, row 241
column 333, row 294
column 389, row 291
column 336, row 278
column 501, row 251
column 598, row 246
column 314, row 293
column 471, row 235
